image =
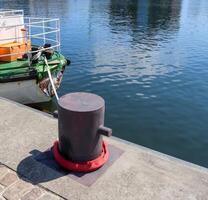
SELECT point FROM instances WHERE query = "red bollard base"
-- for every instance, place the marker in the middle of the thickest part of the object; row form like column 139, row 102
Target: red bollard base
column 88, row 166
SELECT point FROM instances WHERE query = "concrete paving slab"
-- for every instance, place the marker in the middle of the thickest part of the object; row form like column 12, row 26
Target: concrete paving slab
column 20, row 188
column 139, row 173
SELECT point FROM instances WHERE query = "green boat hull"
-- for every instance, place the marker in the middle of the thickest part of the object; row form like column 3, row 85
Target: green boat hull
column 30, row 84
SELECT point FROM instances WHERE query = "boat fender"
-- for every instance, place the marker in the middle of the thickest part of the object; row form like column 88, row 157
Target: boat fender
column 55, row 114
column 68, row 62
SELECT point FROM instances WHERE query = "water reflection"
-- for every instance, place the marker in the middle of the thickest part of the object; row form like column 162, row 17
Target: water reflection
column 144, row 18
column 164, row 14
column 139, row 28
column 123, row 14
column 40, row 8
column 43, row 8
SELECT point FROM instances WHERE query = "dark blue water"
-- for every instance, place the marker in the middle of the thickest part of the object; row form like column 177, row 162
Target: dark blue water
column 147, row 58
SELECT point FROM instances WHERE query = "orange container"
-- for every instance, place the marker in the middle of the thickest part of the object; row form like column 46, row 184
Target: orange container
column 16, row 48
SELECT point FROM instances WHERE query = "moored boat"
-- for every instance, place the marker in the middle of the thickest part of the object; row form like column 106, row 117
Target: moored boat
column 31, row 65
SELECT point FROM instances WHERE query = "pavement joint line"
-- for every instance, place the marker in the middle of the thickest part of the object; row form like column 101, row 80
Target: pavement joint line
column 24, row 178
column 11, row 184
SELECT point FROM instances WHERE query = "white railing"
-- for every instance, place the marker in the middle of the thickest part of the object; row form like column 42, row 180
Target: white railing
column 38, row 31
column 11, row 12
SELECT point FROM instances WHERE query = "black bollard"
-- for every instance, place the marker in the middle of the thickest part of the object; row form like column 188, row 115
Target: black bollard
column 81, row 126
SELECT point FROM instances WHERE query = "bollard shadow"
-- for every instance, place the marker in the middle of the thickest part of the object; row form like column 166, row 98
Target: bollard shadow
column 41, row 167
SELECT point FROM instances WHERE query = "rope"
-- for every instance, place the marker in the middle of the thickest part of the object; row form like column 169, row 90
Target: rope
column 50, row 77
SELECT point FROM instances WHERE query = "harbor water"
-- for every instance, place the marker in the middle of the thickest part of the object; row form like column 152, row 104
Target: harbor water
column 147, row 58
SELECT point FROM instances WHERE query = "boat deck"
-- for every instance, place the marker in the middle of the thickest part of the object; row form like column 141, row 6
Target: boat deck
column 13, row 65
column 21, row 67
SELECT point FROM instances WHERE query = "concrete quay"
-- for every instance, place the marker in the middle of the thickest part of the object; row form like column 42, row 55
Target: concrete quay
column 132, row 172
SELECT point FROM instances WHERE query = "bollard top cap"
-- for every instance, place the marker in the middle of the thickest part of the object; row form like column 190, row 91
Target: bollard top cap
column 81, row 102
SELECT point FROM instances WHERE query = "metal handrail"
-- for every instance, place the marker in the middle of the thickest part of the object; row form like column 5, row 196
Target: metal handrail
column 44, row 30
column 34, row 35
column 11, row 12
column 45, row 20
